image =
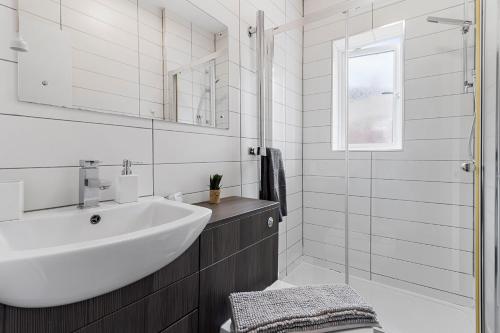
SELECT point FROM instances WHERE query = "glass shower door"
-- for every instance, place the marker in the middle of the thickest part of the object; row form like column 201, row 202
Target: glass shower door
column 324, row 154
column 409, row 123
column 387, row 206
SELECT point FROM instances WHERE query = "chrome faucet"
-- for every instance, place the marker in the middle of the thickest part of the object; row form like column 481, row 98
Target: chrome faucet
column 90, row 184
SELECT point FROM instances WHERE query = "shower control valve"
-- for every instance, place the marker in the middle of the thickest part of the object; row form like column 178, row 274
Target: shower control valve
column 468, row 166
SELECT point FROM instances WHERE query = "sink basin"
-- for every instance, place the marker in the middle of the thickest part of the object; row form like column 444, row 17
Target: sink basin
column 59, row 256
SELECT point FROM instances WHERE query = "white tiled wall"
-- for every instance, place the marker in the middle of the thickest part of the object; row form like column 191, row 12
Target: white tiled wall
column 43, row 144
column 411, row 212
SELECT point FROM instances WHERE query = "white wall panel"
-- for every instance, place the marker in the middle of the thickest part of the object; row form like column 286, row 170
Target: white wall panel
column 441, row 63
column 46, row 9
column 432, row 86
column 442, row 106
column 436, row 192
column 335, row 219
column 444, row 236
column 358, row 241
column 440, row 42
column 336, row 185
column 444, row 280
column 47, row 143
column 194, row 177
column 435, row 213
column 317, row 118
column 435, row 256
column 181, row 147
column 429, row 150
column 439, row 128
column 444, row 171
column 318, row 68
column 336, row 168
column 8, row 19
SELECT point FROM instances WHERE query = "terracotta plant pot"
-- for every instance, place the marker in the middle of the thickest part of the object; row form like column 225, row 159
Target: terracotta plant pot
column 214, row 196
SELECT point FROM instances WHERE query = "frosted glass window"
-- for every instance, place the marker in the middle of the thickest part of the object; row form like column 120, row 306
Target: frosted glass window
column 371, row 98
column 374, row 100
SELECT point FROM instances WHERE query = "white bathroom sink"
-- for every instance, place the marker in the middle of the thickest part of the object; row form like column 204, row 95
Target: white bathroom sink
column 58, row 256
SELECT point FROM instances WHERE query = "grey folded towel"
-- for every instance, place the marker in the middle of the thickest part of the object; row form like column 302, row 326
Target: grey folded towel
column 273, row 181
column 336, row 307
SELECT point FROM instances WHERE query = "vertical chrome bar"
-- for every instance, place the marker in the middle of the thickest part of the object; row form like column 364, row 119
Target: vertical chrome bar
column 346, row 144
column 483, row 306
column 496, row 249
column 465, row 46
column 174, row 112
column 465, row 60
column 260, row 71
column 268, row 82
column 213, row 91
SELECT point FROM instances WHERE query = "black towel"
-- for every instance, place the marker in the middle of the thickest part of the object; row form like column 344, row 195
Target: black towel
column 273, row 182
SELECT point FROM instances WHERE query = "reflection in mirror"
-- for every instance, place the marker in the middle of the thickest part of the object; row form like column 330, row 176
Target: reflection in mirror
column 375, row 86
column 196, row 65
column 161, row 59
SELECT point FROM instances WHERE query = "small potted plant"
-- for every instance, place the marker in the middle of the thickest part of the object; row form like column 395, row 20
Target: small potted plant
column 215, row 188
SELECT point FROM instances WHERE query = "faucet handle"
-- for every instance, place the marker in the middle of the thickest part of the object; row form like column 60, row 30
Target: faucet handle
column 130, row 162
column 127, row 166
column 89, row 163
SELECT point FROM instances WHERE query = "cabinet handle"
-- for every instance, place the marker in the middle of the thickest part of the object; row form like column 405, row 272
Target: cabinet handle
column 270, row 222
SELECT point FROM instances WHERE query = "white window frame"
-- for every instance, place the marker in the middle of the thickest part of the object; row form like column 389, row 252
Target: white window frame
column 338, row 112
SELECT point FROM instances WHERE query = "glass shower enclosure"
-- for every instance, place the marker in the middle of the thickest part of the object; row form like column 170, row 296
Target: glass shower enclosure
column 389, row 180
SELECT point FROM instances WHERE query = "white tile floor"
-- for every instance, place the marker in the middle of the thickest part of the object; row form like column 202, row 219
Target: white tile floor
column 399, row 311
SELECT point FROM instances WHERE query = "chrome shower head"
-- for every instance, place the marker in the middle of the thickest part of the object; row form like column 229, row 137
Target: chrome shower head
column 465, row 24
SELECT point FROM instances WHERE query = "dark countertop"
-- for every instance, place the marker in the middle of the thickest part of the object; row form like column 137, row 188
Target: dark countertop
column 230, row 207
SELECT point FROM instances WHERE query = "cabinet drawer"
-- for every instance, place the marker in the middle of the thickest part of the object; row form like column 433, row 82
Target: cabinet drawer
column 170, row 304
column 152, row 313
column 225, row 240
column 254, row 268
column 219, row 242
column 188, row 324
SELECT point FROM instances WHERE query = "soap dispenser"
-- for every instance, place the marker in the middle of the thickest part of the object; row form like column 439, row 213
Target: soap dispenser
column 127, row 184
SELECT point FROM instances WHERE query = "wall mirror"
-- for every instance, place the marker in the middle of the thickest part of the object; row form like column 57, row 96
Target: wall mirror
column 160, row 59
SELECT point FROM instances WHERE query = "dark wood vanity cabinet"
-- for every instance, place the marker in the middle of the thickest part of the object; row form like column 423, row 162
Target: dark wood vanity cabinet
column 237, row 251
column 249, row 261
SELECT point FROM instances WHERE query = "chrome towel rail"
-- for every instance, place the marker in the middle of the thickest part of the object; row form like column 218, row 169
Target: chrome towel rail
column 262, row 89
